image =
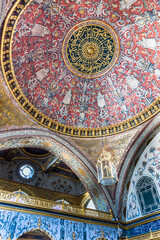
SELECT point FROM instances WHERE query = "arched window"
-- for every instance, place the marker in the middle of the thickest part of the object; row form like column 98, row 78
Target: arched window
column 91, row 205
column 148, row 196
column 62, row 201
column 21, row 192
column 35, row 234
column 26, row 171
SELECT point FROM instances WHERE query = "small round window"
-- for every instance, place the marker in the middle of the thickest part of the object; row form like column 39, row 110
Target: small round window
column 26, row 171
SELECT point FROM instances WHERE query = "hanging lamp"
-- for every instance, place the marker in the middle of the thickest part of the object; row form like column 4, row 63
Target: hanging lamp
column 106, row 168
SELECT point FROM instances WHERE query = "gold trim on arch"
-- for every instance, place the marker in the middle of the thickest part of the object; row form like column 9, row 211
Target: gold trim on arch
column 7, row 68
column 34, row 155
column 30, row 160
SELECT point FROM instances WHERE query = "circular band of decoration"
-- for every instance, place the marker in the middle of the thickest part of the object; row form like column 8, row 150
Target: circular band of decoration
column 8, row 72
column 90, row 49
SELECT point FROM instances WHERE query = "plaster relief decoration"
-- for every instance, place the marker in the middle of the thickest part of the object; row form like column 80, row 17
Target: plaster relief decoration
column 84, row 68
column 144, row 191
column 61, row 186
column 25, row 171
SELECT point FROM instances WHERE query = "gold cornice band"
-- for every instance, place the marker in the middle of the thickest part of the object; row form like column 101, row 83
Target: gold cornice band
column 148, row 236
column 46, row 194
column 7, row 68
column 103, row 223
column 19, row 200
column 126, row 225
column 39, row 203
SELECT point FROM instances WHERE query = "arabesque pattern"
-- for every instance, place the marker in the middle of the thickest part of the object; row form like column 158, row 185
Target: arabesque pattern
column 61, row 100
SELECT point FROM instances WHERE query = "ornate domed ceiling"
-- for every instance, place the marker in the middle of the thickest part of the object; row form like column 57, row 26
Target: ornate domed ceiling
column 84, row 68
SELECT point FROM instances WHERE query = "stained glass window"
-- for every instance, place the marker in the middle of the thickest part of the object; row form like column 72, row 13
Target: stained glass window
column 26, row 171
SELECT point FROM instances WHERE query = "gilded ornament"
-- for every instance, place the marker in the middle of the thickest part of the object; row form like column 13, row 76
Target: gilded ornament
column 82, row 172
column 90, row 49
column 73, row 236
column 9, row 238
column 39, row 223
column 65, row 155
column 6, row 196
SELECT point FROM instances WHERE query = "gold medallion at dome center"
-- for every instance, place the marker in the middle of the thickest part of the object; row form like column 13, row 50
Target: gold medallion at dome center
column 90, row 49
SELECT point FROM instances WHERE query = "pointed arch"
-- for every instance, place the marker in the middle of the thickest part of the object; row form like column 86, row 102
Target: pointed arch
column 142, row 140
column 34, row 230
column 148, row 196
column 33, row 137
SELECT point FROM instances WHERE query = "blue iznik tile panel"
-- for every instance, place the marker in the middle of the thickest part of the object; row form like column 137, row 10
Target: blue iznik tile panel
column 142, row 229
column 14, row 224
column 144, row 191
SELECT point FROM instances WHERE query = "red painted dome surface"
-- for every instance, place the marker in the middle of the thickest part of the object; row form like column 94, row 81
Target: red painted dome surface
column 130, row 86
